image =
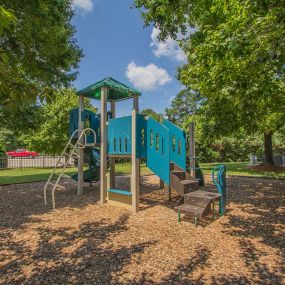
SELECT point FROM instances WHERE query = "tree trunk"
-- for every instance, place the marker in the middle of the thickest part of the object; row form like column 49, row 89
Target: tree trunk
column 268, row 154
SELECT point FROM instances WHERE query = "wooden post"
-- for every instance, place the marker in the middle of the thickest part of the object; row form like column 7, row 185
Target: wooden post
column 192, row 148
column 112, row 159
column 135, row 178
column 80, row 150
column 103, row 146
column 161, row 183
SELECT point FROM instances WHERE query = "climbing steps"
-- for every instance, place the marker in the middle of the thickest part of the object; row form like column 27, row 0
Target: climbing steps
column 181, row 181
column 198, row 203
column 70, row 152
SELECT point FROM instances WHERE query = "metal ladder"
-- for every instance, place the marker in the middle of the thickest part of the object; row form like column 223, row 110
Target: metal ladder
column 72, row 148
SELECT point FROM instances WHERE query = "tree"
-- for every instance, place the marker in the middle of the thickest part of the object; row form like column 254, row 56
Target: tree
column 51, row 136
column 6, row 18
column 38, row 51
column 149, row 112
column 183, row 105
column 236, row 59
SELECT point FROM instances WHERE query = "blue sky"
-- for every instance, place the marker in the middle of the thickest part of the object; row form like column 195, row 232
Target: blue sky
column 116, row 44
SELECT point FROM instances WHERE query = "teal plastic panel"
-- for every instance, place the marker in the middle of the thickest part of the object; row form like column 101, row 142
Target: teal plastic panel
column 120, row 135
column 141, row 136
column 158, row 149
column 177, row 144
column 91, row 120
column 122, row 192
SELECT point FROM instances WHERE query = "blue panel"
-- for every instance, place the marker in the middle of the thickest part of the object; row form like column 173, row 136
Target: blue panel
column 158, row 149
column 122, row 192
column 91, row 120
column 177, row 143
column 120, row 135
column 141, row 136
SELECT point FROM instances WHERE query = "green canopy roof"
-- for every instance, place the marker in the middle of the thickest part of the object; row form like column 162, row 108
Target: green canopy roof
column 116, row 90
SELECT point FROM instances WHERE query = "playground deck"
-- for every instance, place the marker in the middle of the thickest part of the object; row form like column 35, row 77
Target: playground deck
column 82, row 242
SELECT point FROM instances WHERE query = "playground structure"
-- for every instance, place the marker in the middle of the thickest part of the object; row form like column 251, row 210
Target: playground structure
column 103, row 138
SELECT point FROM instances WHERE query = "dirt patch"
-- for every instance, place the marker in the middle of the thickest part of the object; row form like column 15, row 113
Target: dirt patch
column 83, row 242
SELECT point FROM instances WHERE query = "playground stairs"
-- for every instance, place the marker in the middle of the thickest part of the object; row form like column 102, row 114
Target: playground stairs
column 181, row 181
column 198, row 204
column 70, row 152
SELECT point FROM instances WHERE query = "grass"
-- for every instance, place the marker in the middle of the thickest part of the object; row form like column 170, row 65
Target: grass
column 35, row 174
column 11, row 176
column 241, row 169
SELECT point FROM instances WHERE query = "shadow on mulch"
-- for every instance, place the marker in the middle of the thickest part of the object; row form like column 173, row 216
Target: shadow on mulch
column 20, row 203
column 94, row 257
column 260, row 201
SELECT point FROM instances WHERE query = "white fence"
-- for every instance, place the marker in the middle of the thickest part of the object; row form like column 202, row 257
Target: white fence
column 42, row 161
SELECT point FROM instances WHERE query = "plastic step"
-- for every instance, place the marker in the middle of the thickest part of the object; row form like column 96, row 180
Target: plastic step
column 190, row 209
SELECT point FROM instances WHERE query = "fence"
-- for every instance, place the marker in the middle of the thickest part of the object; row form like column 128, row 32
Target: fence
column 42, row 161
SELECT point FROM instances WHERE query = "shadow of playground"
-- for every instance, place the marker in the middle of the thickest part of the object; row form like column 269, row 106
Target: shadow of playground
column 63, row 256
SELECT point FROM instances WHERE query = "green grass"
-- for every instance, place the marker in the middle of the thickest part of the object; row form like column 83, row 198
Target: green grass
column 241, row 169
column 35, row 174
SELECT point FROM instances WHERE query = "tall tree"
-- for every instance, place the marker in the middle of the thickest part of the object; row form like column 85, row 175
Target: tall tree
column 236, row 59
column 51, row 134
column 38, row 52
column 183, row 105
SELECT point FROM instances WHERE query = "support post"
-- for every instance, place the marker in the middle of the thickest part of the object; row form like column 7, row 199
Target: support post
column 103, row 146
column 112, row 159
column 135, row 178
column 192, row 163
column 161, row 183
column 80, row 150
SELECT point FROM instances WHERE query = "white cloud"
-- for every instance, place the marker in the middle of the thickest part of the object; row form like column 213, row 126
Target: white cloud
column 147, row 77
column 84, row 5
column 168, row 48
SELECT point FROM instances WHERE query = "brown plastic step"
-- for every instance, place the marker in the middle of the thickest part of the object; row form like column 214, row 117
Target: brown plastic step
column 190, row 209
column 179, row 173
column 189, row 185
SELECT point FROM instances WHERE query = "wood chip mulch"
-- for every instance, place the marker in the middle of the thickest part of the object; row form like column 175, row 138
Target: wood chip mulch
column 267, row 167
column 83, row 242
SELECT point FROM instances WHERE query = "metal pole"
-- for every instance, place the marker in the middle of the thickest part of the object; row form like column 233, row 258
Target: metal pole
column 112, row 159
column 80, row 150
column 103, row 146
column 192, row 148
column 135, row 178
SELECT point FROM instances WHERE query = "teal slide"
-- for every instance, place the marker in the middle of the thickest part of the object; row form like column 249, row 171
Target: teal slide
column 93, row 171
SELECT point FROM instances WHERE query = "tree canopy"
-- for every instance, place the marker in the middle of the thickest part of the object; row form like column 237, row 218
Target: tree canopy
column 38, row 50
column 235, row 58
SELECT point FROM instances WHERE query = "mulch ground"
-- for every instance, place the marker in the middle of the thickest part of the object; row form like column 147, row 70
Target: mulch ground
column 83, row 242
column 267, row 167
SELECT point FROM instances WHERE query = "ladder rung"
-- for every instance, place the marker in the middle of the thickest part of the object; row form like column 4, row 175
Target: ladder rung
column 59, row 186
column 65, row 175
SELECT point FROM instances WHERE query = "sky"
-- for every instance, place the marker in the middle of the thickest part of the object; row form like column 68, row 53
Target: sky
column 115, row 43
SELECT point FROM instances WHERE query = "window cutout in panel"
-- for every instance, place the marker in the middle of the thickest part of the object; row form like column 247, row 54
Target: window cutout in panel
column 142, row 137
column 115, row 146
column 126, row 145
column 157, row 142
column 173, row 143
column 151, row 138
